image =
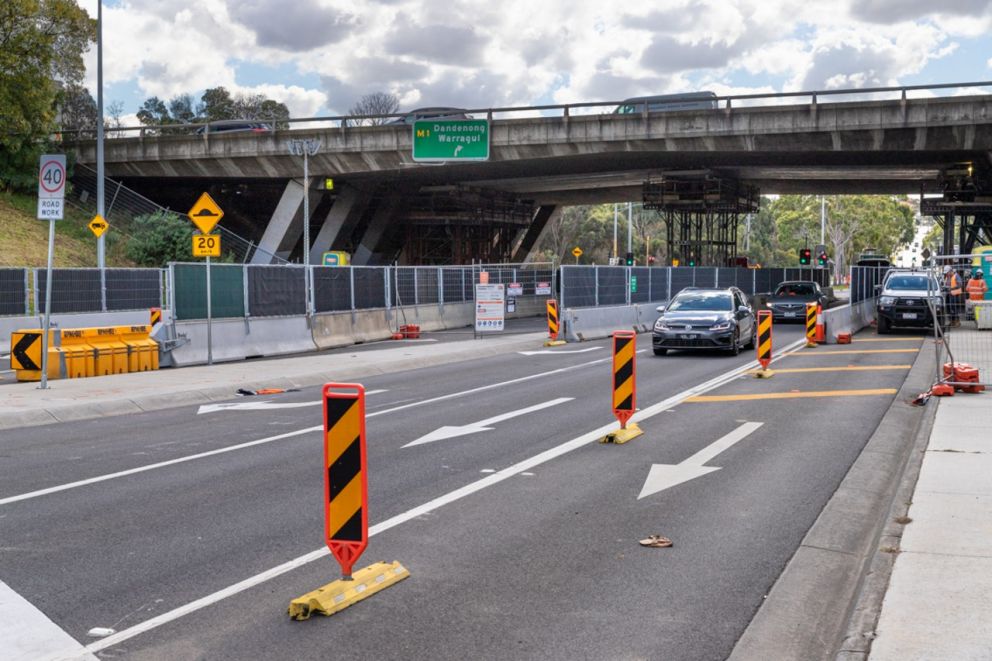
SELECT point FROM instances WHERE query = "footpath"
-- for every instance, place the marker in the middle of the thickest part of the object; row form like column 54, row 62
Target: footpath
column 24, row 404
column 937, row 605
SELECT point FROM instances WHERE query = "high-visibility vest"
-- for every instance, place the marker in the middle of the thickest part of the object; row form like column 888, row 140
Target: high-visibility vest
column 954, row 284
column 976, row 289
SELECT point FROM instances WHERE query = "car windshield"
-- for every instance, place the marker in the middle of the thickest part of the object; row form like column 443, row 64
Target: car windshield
column 795, row 289
column 702, row 302
column 910, row 283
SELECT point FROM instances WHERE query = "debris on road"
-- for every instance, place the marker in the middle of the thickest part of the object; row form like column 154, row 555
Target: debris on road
column 656, row 542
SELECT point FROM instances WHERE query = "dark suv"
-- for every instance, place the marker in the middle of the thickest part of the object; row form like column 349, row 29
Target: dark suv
column 235, row 126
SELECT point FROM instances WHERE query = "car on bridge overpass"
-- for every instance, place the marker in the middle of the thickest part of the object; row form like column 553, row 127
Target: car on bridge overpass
column 430, row 113
column 699, row 318
column 235, row 126
column 668, row 103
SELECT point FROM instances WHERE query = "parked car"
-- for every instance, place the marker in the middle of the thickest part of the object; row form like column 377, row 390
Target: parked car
column 430, row 113
column 235, row 126
column 698, row 318
column 908, row 298
column 788, row 301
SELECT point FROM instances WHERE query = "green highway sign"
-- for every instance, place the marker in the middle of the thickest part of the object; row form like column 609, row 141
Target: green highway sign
column 451, row 140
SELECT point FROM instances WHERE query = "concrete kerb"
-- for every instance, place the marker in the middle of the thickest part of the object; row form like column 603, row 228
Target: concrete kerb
column 821, row 602
column 22, row 405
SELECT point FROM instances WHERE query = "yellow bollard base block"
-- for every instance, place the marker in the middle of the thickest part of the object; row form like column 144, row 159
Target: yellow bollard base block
column 555, row 343
column 340, row 594
column 621, row 436
column 764, row 374
column 810, row 344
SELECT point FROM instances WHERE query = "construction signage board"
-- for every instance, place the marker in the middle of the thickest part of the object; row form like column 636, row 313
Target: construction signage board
column 51, row 187
column 437, row 140
column 515, row 289
column 542, row 289
column 346, row 517
column 206, row 245
column 98, row 225
column 205, row 214
column 489, row 308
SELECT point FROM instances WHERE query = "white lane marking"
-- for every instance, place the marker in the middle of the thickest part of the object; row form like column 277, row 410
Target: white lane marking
column 446, row 432
column 264, row 405
column 427, row 507
column 559, row 352
column 262, row 441
column 663, row 476
column 26, row 634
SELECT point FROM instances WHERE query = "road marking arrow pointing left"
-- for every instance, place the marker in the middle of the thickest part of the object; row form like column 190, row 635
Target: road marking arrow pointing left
column 482, row 425
column 664, row 476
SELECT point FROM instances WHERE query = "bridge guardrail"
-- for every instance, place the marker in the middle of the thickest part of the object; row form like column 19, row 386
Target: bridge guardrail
column 565, row 110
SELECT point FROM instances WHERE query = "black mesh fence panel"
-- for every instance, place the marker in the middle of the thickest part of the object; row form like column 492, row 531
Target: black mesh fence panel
column 133, row 289
column 275, row 291
column 659, row 284
column 612, row 285
column 332, row 289
column 427, row 286
column 578, row 287
column 763, row 280
column 370, row 287
column 640, row 287
column 73, row 290
column 457, row 284
column 706, row 276
column 13, row 291
column 682, row 277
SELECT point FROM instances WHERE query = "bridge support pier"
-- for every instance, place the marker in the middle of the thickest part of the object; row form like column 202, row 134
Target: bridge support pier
column 277, row 231
column 386, row 212
column 543, row 219
column 346, row 210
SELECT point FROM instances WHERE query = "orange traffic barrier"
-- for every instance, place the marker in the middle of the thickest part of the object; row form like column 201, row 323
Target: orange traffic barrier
column 843, row 338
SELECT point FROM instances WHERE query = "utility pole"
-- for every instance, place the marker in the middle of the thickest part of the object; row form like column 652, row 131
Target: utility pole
column 306, row 149
column 101, row 252
column 630, row 226
column 823, row 220
column 615, row 255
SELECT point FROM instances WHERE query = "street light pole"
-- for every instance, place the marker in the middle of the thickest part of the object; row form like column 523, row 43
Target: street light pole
column 101, row 252
column 615, row 213
column 306, row 149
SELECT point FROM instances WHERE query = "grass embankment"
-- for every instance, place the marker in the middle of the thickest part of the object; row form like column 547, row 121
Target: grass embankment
column 24, row 238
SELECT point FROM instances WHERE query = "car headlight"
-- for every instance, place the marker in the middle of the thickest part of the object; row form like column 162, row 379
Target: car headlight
column 887, row 300
column 721, row 325
column 660, row 325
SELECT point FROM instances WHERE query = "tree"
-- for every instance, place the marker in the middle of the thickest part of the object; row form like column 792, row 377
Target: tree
column 376, row 103
column 41, row 45
column 77, row 111
column 112, row 122
column 159, row 238
column 154, row 112
column 215, row 104
column 181, row 109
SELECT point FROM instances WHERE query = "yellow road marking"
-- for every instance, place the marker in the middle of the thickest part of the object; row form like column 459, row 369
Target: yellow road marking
column 848, row 368
column 891, row 339
column 850, row 351
column 791, row 395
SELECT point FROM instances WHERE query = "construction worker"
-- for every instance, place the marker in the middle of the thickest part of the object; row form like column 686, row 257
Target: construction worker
column 976, row 287
column 954, row 302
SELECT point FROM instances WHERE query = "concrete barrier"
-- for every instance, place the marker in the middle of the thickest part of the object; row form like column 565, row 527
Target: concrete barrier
column 593, row 323
column 237, row 339
column 848, row 318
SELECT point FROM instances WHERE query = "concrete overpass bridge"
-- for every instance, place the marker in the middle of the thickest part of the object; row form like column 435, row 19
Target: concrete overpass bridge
column 707, row 163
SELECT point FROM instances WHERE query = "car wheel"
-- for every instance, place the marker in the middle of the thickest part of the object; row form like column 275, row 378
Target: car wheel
column 883, row 327
column 660, row 352
column 735, row 344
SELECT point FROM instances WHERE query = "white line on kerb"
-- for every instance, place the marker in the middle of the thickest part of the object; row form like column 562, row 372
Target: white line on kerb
column 429, row 506
column 270, row 439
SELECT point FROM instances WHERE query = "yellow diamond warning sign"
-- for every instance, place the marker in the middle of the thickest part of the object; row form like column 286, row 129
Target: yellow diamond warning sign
column 205, row 214
column 98, row 225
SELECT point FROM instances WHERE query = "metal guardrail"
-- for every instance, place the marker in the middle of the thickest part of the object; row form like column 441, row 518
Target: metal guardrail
column 565, row 110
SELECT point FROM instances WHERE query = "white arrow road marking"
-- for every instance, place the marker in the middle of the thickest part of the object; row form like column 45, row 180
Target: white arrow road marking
column 663, row 476
column 451, row 432
column 264, row 405
column 551, row 351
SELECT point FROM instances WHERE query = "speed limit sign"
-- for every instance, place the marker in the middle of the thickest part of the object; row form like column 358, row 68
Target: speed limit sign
column 51, row 186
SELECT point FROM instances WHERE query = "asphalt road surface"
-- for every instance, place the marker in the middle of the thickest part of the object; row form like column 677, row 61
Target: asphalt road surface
column 521, row 540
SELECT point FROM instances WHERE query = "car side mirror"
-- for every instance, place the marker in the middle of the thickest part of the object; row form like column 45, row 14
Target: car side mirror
column 743, row 310
column 660, row 308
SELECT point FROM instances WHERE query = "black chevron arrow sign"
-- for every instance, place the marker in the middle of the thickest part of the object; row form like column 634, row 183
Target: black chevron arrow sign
column 20, row 352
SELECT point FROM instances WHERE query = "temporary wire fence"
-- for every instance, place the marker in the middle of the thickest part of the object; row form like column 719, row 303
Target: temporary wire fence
column 963, row 339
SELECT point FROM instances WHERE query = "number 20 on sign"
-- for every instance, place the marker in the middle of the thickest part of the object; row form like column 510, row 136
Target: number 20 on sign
column 206, row 245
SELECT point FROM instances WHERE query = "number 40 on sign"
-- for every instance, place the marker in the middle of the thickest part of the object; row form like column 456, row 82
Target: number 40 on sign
column 206, row 245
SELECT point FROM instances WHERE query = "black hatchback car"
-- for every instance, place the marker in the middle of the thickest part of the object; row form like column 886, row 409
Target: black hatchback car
column 705, row 319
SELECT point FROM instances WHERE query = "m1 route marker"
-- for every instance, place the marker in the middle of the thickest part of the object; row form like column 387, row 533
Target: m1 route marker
column 439, row 140
column 663, row 476
column 482, row 425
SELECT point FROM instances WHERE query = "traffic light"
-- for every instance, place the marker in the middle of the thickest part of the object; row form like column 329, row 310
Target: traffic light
column 805, row 256
column 630, row 259
column 822, row 259
column 692, row 261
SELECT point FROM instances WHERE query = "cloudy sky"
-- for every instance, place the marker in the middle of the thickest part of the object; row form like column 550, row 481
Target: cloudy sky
column 319, row 56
